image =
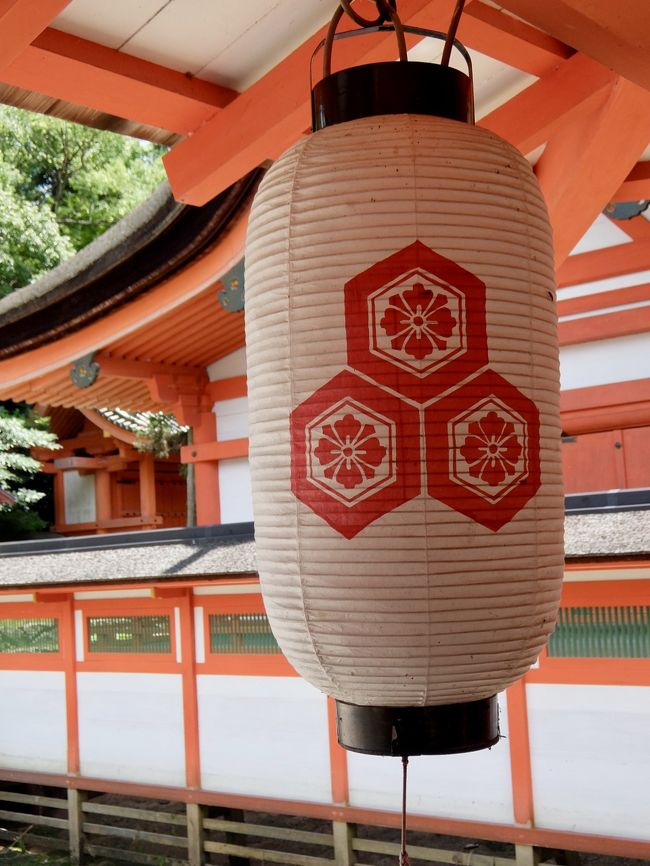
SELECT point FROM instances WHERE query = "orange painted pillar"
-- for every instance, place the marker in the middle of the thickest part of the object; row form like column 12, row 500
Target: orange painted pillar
column 102, row 496
column 520, row 762
column 206, row 474
column 146, row 469
column 59, row 500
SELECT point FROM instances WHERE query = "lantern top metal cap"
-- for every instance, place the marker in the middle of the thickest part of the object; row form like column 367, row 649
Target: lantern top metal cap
column 405, row 87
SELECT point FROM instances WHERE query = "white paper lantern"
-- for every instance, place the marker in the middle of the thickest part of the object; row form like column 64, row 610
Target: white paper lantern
column 404, row 405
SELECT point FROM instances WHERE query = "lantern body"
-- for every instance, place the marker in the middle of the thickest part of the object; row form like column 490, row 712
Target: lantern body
column 404, row 407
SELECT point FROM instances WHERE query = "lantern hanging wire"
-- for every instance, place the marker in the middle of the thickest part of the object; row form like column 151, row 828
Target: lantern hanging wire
column 387, row 11
column 403, row 856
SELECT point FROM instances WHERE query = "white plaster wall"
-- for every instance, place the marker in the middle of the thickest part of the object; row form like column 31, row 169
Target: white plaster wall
column 233, row 364
column 264, row 736
column 590, row 748
column 235, row 496
column 131, row 727
column 475, row 786
column 232, row 418
column 603, row 362
column 33, row 721
column 79, row 497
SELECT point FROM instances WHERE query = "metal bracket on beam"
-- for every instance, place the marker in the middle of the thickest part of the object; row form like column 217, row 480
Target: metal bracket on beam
column 231, row 297
column 626, row 210
column 85, row 371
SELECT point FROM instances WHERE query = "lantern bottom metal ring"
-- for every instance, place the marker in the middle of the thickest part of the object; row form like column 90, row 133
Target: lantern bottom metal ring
column 404, row 731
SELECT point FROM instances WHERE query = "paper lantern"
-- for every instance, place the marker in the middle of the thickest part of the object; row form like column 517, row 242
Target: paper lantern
column 404, row 407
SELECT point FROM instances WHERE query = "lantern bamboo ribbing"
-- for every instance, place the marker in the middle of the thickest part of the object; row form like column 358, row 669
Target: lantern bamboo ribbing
column 404, row 407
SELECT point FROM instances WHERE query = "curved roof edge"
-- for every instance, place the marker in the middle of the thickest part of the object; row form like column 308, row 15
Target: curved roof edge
column 148, row 245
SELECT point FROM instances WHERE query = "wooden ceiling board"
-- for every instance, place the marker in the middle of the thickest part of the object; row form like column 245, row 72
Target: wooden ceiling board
column 111, row 24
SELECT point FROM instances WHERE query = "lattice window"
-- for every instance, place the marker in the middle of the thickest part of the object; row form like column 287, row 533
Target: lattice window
column 27, row 635
column 602, row 632
column 242, row 633
column 129, row 634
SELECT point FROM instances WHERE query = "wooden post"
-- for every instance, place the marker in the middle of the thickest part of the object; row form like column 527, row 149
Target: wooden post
column 59, row 500
column 343, row 834
column 146, row 468
column 527, row 855
column 102, row 496
column 195, row 834
column 75, row 823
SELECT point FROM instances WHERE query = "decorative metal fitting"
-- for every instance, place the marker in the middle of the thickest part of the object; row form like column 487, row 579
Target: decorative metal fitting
column 85, row 371
column 626, row 210
column 231, row 297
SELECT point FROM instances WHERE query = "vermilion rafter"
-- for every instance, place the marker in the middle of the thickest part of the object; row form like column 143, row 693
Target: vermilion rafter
column 616, row 34
column 21, row 21
column 534, row 115
column 512, row 41
column 577, row 173
column 85, row 73
column 602, row 264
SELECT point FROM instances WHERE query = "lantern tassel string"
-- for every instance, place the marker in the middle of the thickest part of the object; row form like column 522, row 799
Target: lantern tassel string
column 451, row 33
column 403, row 856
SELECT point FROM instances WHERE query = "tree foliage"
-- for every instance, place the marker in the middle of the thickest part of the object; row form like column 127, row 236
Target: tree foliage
column 62, row 185
column 21, row 430
column 162, row 437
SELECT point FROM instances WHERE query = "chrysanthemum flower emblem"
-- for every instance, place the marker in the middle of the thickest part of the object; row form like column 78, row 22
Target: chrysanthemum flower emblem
column 350, row 451
column 491, row 449
column 418, row 321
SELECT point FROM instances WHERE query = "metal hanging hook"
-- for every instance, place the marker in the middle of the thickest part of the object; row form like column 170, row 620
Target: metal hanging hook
column 451, row 33
column 386, row 12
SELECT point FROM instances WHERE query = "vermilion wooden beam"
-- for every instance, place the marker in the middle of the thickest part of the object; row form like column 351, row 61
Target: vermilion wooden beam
column 636, row 185
column 534, row 115
column 269, row 116
column 512, row 41
column 602, row 264
column 586, row 162
column 615, row 34
column 20, row 23
column 85, row 73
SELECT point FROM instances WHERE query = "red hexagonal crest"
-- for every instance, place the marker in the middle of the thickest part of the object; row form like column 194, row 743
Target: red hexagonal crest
column 415, row 323
column 355, row 453
column 482, row 450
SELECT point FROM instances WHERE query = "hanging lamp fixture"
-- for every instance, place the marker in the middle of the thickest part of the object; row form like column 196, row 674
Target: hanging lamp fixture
column 404, row 403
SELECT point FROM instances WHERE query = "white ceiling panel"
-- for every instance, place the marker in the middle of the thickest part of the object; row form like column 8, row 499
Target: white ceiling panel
column 603, row 233
column 252, row 50
column 110, row 24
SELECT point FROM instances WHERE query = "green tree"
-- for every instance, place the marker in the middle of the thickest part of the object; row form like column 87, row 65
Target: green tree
column 61, row 186
column 20, row 431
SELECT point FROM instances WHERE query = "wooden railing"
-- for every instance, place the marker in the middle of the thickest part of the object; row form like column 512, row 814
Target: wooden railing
column 110, row 831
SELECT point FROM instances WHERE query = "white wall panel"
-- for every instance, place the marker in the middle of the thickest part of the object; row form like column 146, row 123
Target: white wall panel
column 590, row 750
column 33, row 722
column 264, row 736
column 131, row 727
column 233, row 364
column 475, row 786
column 79, row 497
column 235, row 497
column 603, row 362
column 232, row 418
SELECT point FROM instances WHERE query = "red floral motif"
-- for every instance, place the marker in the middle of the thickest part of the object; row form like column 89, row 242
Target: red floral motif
column 491, row 449
column 350, row 451
column 418, row 321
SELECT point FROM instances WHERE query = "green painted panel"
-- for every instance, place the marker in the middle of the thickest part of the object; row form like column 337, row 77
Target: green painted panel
column 129, row 634
column 242, row 633
column 29, row 636
column 602, row 632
